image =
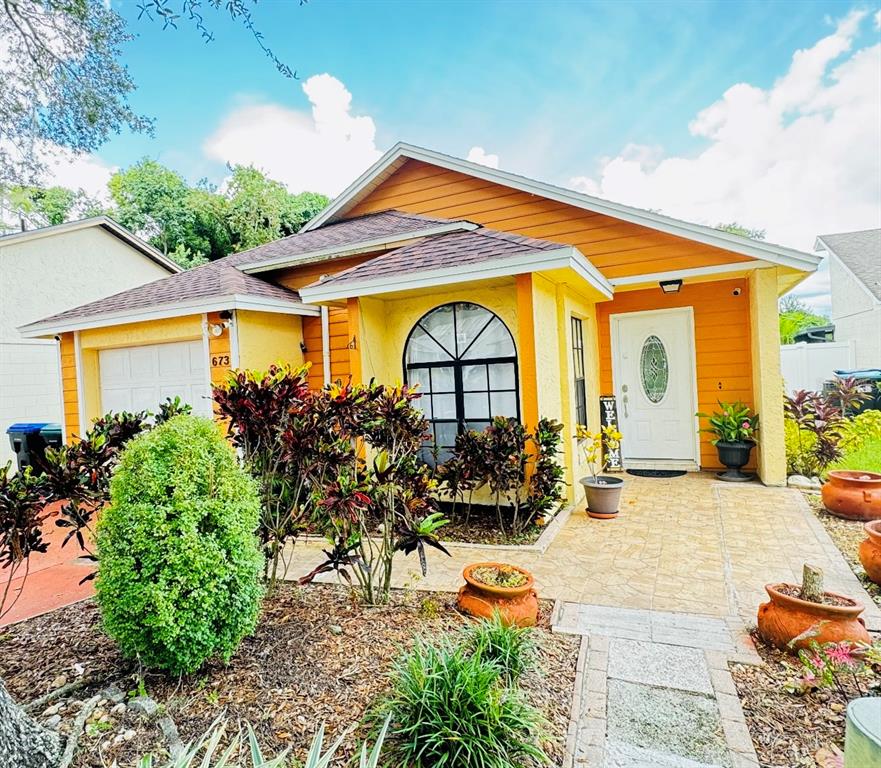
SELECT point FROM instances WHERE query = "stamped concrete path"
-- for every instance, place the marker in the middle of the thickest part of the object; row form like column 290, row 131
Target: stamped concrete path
column 661, row 597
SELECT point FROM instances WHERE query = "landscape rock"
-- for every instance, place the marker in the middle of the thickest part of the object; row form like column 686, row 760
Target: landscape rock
column 129, row 735
column 114, row 693
column 52, row 721
column 118, row 709
column 143, row 705
column 58, row 682
column 800, row 481
column 53, row 710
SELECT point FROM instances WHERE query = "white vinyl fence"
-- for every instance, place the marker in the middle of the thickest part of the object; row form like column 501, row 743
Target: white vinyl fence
column 807, row 366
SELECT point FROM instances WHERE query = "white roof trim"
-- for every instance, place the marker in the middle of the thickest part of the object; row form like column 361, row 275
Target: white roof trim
column 162, row 311
column 777, row 254
column 674, row 274
column 558, row 258
column 96, row 221
column 822, row 244
column 365, row 246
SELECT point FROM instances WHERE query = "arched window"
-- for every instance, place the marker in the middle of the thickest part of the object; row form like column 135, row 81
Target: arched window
column 464, row 359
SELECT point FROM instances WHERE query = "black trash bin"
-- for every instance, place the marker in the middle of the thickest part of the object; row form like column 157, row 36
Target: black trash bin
column 51, row 434
column 28, row 444
column 869, row 380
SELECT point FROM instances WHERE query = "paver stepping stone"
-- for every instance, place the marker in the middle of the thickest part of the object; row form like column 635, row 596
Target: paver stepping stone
column 668, row 666
column 622, row 755
column 676, row 723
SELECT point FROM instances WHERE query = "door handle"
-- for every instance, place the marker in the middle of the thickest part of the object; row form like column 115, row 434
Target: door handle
column 624, row 403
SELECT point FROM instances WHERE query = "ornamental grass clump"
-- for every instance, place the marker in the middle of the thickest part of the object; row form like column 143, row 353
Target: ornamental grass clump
column 511, row 648
column 179, row 565
column 450, row 708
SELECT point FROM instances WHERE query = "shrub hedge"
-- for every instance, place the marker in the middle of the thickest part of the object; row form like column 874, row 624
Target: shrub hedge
column 179, row 564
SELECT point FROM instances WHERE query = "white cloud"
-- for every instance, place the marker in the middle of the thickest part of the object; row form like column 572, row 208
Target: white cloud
column 878, row 19
column 319, row 152
column 798, row 159
column 479, row 155
column 86, row 172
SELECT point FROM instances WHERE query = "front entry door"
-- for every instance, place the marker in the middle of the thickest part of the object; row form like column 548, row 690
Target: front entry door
column 654, row 375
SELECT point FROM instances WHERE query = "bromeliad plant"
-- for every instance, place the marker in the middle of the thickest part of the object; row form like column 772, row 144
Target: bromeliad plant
column 733, row 423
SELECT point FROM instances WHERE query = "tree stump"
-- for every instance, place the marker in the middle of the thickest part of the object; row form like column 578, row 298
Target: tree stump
column 812, row 584
column 24, row 743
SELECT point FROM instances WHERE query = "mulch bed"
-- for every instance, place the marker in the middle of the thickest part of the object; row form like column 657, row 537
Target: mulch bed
column 789, row 730
column 847, row 536
column 317, row 657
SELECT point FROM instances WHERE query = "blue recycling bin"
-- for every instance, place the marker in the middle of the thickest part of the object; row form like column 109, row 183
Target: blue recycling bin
column 29, row 443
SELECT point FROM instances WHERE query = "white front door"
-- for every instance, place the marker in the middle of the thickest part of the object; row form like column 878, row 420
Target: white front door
column 653, row 368
column 140, row 378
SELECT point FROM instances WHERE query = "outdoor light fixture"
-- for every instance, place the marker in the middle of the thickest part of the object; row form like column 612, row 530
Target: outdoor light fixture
column 670, row 286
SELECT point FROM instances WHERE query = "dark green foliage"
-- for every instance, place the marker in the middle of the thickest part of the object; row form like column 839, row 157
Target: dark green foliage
column 449, row 708
column 179, row 564
column 511, row 648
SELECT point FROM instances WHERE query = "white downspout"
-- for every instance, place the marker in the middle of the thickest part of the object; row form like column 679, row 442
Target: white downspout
column 325, row 343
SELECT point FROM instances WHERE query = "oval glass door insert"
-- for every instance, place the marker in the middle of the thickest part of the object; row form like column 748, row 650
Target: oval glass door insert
column 653, row 369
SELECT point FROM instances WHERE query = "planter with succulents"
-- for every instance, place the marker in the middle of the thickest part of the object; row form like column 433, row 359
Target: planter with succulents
column 492, row 587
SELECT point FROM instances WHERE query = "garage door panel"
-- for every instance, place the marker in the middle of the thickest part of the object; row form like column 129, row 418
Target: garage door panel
column 140, row 378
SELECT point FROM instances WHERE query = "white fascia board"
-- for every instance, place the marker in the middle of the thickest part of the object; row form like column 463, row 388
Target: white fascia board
column 103, row 221
column 365, row 246
column 777, row 254
column 163, row 311
column 558, row 258
column 821, row 245
column 677, row 274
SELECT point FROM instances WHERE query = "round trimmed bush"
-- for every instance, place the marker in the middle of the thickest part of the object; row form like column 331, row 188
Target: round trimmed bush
column 179, row 564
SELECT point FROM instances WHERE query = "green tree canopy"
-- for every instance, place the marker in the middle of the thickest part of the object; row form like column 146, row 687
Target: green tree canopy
column 796, row 316
column 738, row 229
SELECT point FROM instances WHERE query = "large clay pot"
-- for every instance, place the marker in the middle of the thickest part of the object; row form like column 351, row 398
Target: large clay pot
column 734, row 454
column 853, row 495
column 783, row 618
column 517, row 605
column 603, row 495
column 870, row 551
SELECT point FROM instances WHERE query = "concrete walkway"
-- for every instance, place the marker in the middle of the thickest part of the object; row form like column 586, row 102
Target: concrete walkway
column 689, row 544
column 655, row 690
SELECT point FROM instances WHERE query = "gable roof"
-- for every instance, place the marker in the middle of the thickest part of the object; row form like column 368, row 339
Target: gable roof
column 401, row 153
column 105, row 223
column 451, row 258
column 859, row 252
column 223, row 284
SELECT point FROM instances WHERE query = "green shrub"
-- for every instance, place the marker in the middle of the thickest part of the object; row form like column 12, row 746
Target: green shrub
column 179, row 565
column 863, row 428
column 449, row 709
column 800, row 444
column 511, row 648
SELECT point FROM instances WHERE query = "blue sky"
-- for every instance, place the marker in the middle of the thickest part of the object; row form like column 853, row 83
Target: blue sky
column 768, row 113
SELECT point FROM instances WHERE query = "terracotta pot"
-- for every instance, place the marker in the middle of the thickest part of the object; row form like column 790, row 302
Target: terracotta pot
column 734, row 454
column 870, row 551
column 517, row 605
column 783, row 618
column 853, row 495
column 603, row 495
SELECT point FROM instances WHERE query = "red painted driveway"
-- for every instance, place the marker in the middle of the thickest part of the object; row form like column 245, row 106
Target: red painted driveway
column 53, row 578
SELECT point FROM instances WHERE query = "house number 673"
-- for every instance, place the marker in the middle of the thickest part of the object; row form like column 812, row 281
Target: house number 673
column 219, row 360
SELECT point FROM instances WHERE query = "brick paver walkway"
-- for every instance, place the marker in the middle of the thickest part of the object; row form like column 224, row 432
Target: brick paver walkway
column 689, row 544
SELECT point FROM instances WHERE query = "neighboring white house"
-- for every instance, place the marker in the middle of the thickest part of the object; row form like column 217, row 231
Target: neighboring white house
column 48, row 270
column 855, row 274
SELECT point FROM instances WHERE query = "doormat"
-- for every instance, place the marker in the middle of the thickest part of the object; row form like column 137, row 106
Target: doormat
column 656, row 472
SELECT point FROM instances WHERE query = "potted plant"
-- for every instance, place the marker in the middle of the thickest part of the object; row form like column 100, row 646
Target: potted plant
column 602, row 492
column 870, row 551
column 735, row 428
column 795, row 616
column 853, row 495
column 508, row 589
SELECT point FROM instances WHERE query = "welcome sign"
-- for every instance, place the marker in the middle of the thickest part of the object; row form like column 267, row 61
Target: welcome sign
column 608, row 416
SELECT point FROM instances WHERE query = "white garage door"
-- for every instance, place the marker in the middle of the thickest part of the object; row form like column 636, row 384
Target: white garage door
column 140, row 378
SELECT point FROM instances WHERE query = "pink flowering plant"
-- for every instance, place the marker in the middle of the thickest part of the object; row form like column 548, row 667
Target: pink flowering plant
column 733, row 423
column 846, row 667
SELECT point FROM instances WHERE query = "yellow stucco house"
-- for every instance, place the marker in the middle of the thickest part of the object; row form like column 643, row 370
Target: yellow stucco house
column 498, row 294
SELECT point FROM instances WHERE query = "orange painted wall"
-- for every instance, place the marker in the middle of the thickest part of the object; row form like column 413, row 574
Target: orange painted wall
column 722, row 342
column 617, row 248
column 69, row 386
column 340, row 354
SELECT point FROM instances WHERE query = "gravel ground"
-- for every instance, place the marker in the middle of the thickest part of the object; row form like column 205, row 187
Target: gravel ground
column 316, row 657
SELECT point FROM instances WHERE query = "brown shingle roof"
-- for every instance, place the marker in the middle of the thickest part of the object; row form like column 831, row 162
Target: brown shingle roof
column 224, row 277
column 457, row 249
